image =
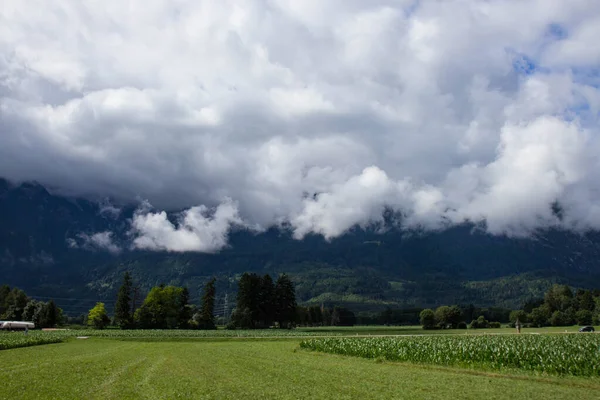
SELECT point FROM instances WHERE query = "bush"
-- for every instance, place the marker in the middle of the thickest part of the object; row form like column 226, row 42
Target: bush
column 427, row 318
column 230, row 326
column 495, row 325
column 479, row 323
column 462, row 325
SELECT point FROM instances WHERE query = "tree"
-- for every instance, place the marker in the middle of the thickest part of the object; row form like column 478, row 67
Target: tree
column 586, row 301
column 206, row 317
column 30, row 310
column 186, row 310
column 584, row 317
column 448, row 317
column 97, row 317
column 4, row 292
column 14, row 304
column 285, row 296
column 267, row 302
column 517, row 315
column 539, row 316
column 51, row 314
column 123, row 312
column 427, row 318
column 325, row 315
column 247, row 310
column 480, row 323
column 559, row 318
column 165, row 307
column 558, row 298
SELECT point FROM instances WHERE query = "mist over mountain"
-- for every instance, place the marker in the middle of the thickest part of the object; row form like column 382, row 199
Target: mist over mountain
column 51, row 246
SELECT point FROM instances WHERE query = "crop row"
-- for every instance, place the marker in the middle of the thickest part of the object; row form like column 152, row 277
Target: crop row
column 567, row 354
column 13, row 340
column 10, row 340
column 176, row 333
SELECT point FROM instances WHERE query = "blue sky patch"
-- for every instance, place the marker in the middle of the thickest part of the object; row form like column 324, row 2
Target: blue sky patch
column 524, row 65
column 557, row 31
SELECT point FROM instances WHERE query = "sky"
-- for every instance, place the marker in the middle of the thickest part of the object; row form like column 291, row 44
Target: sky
column 317, row 114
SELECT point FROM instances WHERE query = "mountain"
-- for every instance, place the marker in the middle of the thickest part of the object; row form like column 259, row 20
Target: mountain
column 45, row 249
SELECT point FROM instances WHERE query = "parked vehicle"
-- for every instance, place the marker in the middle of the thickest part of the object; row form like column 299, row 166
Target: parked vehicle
column 16, row 325
column 587, row 329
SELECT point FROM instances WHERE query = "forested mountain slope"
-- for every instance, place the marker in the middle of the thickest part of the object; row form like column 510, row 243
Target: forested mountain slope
column 43, row 249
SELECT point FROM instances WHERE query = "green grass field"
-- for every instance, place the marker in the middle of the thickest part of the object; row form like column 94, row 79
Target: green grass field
column 226, row 368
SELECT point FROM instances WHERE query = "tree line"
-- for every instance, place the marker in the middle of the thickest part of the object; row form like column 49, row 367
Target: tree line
column 15, row 305
column 260, row 303
column 559, row 307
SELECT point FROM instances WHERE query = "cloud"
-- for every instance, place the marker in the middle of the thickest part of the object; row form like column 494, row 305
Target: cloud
column 196, row 230
column 96, row 241
column 321, row 114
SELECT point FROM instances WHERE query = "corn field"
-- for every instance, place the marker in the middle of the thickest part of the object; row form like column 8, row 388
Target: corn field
column 561, row 354
column 13, row 340
column 9, row 340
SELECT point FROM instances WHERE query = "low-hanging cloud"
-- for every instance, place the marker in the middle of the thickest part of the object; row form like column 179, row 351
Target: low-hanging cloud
column 320, row 114
column 196, row 229
column 103, row 241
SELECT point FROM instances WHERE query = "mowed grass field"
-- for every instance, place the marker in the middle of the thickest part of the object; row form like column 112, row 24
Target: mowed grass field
column 100, row 368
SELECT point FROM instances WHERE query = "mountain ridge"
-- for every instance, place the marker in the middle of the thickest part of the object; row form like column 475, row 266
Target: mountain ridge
column 45, row 249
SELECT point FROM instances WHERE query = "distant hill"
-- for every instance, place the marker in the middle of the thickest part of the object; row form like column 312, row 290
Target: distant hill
column 362, row 269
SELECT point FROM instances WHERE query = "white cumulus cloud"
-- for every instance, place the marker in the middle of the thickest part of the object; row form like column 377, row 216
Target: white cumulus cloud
column 196, row 229
column 321, row 114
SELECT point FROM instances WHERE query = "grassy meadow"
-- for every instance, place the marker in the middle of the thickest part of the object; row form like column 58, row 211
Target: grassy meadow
column 164, row 365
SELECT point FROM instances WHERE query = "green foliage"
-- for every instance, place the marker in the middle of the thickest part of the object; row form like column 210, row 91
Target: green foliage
column 165, row 307
column 267, row 304
column 479, row 323
column 549, row 354
column 123, row 312
column 585, row 300
column 285, row 300
column 247, row 312
column 12, row 303
column 97, row 317
column 517, row 315
column 448, row 317
column 13, row 340
column 16, row 306
column 206, row 318
column 584, row 317
column 259, row 302
column 428, row 319
column 558, row 298
column 186, row 310
column 42, row 314
column 539, row 316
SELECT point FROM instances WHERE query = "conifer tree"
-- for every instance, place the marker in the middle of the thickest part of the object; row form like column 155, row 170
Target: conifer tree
column 185, row 309
column 267, row 302
column 123, row 313
column 206, row 316
column 285, row 296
